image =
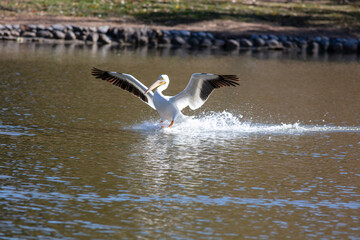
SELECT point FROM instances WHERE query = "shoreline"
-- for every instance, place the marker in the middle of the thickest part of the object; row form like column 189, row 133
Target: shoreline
column 223, row 34
column 224, row 27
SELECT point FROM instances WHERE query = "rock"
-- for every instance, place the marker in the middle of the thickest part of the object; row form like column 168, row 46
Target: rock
column 58, row 27
column 70, row 36
column 210, row 36
column 301, row 39
column 77, row 28
column 246, row 43
column 44, row 34
column 202, row 34
column 257, row 41
column 8, row 27
column 68, row 28
column 58, row 34
column 134, row 37
column 81, row 36
column 195, row 35
column 16, row 27
column 317, row 39
column 341, row 40
column 6, row 33
column 113, row 32
column 2, row 27
column 206, row 43
column 93, row 37
column 155, row 34
column 118, row 34
column 326, row 38
column 28, row 34
column 335, row 47
column 263, row 36
column 219, row 43
column 152, row 37
column 165, row 40
column 174, row 33
column 185, row 33
column 143, row 41
column 313, row 47
column 131, row 35
column 290, row 38
column 39, row 27
column 9, row 38
column 274, row 44
column 350, row 46
column 294, row 39
column 103, row 29
column 178, row 41
column 15, row 33
column 273, row 37
column 166, row 33
column 324, row 45
column 283, row 39
column 232, row 44
column 103, row 38
column 302, row 44
column 153, row 42
column 145, row 32
column 288, row 44
column 127, row 33
column 92, row 29
column 194, row 42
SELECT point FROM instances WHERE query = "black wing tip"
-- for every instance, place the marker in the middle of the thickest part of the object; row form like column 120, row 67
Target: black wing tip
column 225, row 81
column 231, row 79
column 96, row 70
column 98, row 73
column 123, row 84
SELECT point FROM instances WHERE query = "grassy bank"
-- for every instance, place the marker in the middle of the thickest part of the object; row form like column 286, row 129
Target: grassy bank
column 320, row 13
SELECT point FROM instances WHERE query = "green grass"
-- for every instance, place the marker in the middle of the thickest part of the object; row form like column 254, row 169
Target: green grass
column 309, row 13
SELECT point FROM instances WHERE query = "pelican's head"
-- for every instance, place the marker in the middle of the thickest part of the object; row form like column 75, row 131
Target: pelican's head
column 163, row 81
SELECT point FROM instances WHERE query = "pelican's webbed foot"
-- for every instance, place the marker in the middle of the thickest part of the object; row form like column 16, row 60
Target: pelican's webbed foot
column 172, row 123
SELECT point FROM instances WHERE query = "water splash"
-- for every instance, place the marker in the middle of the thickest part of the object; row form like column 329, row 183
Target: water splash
column 226, row 122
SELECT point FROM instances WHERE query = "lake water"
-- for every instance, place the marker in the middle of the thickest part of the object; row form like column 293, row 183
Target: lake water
column 275, row 158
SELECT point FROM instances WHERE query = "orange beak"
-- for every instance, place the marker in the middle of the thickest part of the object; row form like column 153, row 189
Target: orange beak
column 155, row 85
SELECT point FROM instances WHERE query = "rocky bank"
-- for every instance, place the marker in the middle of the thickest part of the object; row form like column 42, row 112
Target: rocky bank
column 152, row 37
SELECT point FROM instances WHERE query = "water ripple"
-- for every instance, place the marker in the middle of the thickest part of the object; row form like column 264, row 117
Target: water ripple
column 15, row 130
column 14, row 195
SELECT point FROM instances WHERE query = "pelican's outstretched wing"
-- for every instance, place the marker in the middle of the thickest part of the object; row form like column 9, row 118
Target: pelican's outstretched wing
column 126, row 82
column 200, row 87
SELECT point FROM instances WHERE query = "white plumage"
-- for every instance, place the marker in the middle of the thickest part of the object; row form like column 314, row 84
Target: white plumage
column 169, row 108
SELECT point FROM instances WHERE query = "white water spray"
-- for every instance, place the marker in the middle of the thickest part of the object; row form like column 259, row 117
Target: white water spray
column 226, row 122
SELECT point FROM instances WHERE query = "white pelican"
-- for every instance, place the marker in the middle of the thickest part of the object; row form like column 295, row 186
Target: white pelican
column 169, row 108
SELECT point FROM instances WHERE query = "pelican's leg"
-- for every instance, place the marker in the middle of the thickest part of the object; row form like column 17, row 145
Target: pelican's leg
column 172, row 123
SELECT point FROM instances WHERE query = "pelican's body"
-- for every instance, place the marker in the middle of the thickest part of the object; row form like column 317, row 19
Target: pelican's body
column 169, row 108
column 166, row 109
column 165, row 105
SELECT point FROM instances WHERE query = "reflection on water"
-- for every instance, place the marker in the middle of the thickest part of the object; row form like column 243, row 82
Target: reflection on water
column 104, row 51
column 275, row 158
